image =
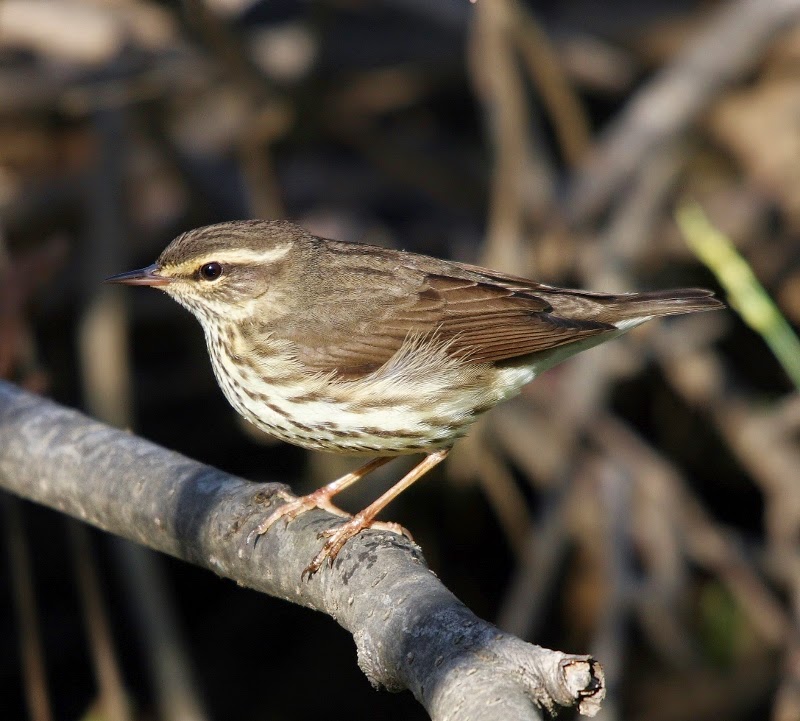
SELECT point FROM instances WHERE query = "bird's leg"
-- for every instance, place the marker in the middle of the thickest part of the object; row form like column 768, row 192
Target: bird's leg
column 321, row 498
column 339, row 535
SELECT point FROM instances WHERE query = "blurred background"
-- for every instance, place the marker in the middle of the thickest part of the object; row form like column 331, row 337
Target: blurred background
column 640, row 502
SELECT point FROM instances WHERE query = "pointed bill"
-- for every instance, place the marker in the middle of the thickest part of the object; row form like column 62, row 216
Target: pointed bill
column 143, row 276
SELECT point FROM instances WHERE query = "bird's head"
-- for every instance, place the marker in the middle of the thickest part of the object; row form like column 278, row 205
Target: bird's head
column 228, row 271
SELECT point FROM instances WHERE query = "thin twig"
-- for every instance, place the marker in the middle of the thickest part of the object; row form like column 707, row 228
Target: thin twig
column 27, row 614
column 701, row 538
column 499, row 85
column 522, row 609
column 112, row 695
column 569, row 120
column 730, row 45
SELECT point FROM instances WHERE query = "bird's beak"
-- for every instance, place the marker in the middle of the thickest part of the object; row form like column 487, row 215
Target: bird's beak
column 143, row 276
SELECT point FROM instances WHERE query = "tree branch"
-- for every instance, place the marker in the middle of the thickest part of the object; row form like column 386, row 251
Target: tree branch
column 725, row 50
column 410, row 631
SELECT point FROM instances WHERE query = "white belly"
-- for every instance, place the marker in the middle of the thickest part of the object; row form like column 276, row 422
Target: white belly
column 420, row 400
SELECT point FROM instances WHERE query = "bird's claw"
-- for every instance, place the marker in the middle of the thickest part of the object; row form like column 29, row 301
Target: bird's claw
column 292, row 509
column 339, row 535
column 289, row 510
column 393, row 527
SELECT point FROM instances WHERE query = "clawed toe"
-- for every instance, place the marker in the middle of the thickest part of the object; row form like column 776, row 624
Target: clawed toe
column 287, row 511
column 392, row 527
column 292, row 509
column 339, row 535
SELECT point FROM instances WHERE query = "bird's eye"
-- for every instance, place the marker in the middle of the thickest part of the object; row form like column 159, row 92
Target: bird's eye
column 210, row 271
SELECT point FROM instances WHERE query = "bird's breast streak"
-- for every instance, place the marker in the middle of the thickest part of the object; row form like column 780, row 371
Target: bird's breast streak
column 376, row 415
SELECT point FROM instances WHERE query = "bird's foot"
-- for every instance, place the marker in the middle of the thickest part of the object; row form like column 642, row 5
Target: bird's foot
column 339, row 535
column 392, row 527
column 293, row 508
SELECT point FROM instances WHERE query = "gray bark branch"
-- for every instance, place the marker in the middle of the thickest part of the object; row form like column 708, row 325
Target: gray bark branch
column 410, row 631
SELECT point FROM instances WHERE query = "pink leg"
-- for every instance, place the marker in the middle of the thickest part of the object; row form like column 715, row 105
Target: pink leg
column 338, row 536
column 321, row 498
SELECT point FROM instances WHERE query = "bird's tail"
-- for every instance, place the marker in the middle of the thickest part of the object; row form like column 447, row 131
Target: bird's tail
column 652, row 304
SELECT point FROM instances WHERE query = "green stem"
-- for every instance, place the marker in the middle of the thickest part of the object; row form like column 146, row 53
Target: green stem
column 745, row 294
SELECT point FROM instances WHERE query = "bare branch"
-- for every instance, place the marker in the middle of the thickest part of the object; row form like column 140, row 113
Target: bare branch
column 410, row 631
column 728, row 48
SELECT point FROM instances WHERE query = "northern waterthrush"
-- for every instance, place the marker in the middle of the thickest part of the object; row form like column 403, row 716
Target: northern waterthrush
column 361, row 350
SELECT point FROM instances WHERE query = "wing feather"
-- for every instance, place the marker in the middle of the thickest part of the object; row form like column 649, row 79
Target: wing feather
column 484, row 316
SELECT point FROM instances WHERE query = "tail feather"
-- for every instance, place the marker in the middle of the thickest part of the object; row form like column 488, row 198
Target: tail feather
column 652, row 304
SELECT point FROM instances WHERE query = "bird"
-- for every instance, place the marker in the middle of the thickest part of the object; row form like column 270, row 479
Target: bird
column 370, row 351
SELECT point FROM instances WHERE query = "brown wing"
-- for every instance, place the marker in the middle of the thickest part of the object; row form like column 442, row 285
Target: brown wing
column 487, row 317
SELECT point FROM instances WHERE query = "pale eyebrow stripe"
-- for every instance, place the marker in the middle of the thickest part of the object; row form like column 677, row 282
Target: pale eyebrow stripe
column 236, row 256
column 245, row 255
